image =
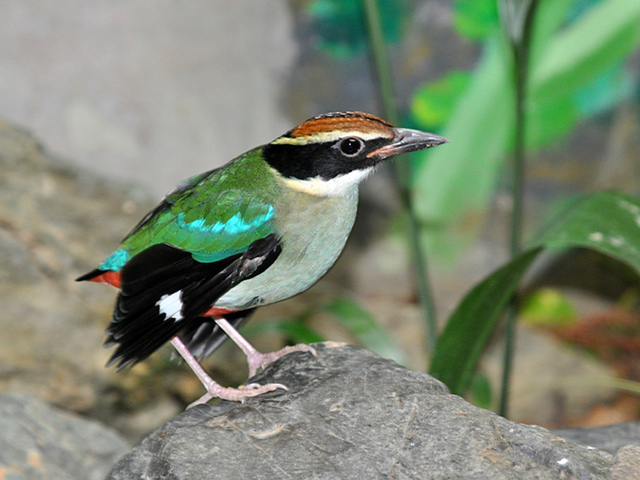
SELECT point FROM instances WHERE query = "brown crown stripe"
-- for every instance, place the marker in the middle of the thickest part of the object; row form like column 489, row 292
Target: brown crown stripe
column 348, row 113
column 345, row 121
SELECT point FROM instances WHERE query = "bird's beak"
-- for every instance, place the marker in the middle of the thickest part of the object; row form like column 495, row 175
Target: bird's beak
column 407, row 140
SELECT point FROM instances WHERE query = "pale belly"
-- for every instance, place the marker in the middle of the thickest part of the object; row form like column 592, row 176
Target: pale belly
column 313, row 239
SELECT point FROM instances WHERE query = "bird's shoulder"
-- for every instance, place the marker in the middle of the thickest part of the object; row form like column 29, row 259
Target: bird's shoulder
column 214, row 214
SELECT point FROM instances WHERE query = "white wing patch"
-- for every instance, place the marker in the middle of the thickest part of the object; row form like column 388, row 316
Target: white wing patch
column 171, row 306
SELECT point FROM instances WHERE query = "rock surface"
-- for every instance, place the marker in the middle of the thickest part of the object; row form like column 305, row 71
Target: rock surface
column 350, row 414
column 38, row 442
column 52, row 328
column 609, row 438
column 57, row 222
column 145, row 92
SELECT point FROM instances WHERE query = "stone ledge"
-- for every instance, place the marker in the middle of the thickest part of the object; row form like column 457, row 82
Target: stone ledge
column 350, row 414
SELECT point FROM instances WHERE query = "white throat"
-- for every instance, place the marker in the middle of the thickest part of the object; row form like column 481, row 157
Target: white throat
column 335, row 187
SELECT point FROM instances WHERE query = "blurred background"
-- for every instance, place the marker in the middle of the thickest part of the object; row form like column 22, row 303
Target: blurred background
column 106, row 106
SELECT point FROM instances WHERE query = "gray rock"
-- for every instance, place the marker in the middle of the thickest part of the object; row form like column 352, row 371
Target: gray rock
column 41, row 442
column 350, row 414
column 56, row 222
column 609, row 438
column 219, row 67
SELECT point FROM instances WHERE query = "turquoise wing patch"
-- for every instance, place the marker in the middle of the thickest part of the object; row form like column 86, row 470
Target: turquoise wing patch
column 116, row 260
column 214, row 217
column 236, row 225
column 211, row 230
column 210, row 242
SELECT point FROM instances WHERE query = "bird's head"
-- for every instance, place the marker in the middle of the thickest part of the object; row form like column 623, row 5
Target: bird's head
column 329, row 154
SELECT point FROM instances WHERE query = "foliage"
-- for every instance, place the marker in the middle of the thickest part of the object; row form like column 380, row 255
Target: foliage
column 434, row 102
column 608, row 222
column 340, row 26
column 365, row 328
column 577, row 70
column 481, row 392
column 349, row 314
column 548, row 307
column 475, row 19
column 550, row 66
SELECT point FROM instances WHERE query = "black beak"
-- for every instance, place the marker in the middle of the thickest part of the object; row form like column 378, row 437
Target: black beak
column 407, row 140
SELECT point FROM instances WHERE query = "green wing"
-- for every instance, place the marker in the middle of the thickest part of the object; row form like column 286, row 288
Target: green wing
column 212, row 216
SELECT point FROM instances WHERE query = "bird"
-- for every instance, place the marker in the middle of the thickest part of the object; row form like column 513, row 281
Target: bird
column 260, row 229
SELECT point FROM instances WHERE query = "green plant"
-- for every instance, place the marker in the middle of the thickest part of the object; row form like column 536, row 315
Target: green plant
column 607, row 222
column 576, row 70
column 546, row 65
column 354, row 318
column 526, row 92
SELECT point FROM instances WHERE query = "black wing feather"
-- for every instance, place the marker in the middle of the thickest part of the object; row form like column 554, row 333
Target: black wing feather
column 139, row 327
column 255, row 260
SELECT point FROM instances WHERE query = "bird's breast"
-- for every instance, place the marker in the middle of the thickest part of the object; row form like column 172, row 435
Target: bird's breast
column 314, row 231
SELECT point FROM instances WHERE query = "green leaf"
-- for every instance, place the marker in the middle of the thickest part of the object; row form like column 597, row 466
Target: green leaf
column 460, row 175
column 481, row 391
column 604, row 35
column 469, row 327
column 454, row 183
column 550, row 16
column 434, row 102
column 456, row 180
column 548, row 307
column 607, row 89
column 549, row 119
column 340, row 29
column 475, row 19
column 365, row 328
column 608, row 222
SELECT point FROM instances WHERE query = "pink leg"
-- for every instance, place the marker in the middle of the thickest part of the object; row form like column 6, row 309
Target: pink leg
column 214, row 389
column 255, row 359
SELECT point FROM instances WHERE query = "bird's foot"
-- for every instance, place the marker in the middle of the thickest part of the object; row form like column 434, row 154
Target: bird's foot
column 215, row 390
column 257, row 360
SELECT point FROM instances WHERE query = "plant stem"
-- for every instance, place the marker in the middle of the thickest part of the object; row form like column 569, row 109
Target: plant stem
column 402, row 169
column 520, row 39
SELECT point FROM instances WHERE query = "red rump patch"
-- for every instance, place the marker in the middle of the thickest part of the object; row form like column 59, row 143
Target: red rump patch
column 113, row 278
column 216, row 312
column 109, row 277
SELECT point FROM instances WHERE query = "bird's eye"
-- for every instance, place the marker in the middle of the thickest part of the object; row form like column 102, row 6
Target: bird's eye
column 351, row 146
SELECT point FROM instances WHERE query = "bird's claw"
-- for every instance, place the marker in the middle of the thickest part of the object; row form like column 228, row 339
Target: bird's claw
column 257, row 360
column 239, row 394
column 253, row 386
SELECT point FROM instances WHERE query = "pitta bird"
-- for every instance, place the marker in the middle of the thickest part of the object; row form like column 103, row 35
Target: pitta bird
column 260, row 229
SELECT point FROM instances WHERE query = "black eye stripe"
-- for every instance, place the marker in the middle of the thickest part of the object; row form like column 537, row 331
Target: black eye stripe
column 322, row 159
column 351, row 146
